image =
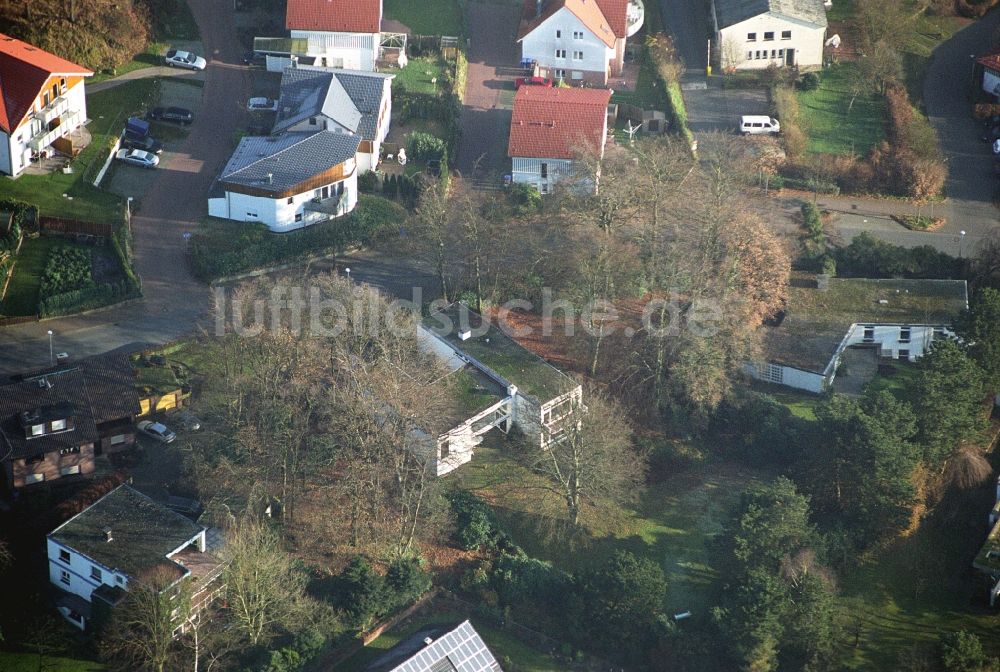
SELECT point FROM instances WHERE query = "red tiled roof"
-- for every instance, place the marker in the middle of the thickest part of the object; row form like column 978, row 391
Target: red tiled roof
column 335, row 16
column 604, row 18
column 991, row 61
column 24, row 69
column 553, row 123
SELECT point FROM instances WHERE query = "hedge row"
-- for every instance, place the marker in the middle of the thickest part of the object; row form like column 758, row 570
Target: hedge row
column 216, row 254
column 87, row 298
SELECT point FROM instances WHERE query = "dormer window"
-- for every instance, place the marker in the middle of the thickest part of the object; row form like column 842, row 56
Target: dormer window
column 46, row 420
column 58, row 425
column 37, row 430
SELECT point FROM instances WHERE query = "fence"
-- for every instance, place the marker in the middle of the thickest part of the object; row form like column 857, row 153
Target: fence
column 58, row 225
column 107, row 162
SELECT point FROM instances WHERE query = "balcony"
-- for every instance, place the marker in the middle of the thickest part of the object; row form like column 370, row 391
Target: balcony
column 53, row 131
column 55, row 109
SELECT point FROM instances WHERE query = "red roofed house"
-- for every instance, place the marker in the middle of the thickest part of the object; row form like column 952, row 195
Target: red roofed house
column 578, row 40
column 42, row 101
column 551, row 127
column 340, row 33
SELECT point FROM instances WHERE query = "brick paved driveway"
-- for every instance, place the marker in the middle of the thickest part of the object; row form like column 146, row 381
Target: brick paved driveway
column 173, row 300
column 493, row 59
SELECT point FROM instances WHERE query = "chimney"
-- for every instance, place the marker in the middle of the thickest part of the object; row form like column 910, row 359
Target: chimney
column 270, row 178
column 107, row 535
column 427, row 640
column 823, row 282
column 538, row 8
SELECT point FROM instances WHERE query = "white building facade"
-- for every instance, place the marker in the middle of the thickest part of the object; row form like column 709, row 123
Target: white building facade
column 351, row 51
column 771, row 38
column 542, row 174
column 566, row 48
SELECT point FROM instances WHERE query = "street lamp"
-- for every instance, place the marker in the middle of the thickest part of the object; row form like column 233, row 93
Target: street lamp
column 52, row 358
column 128, row 215
column 961, row 241
column 348, row 272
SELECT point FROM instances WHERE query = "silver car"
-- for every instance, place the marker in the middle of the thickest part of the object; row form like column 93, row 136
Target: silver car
column 138, row 157
column 156, row 430
column 184, row 59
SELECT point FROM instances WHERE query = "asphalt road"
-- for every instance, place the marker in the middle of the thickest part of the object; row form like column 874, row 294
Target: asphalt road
column 173, row 300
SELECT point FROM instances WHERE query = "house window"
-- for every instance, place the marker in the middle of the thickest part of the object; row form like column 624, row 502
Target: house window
column 904, row 334
column 64, row 556
column 577, row 34
column 312, row 121
column 751, row 37
column 560, row 73
column 576, row 74
column 904, row 354
column 291, row 199
column 545, row 188
column 749, row 55
column 70, row 471
column 577, row 55
column 773, row 373
column 869, row 334
column 781, row 53
column 37, row 430
column 545, row 170
column 298, row 216
column 116, row 439
column 64, row 576
column 558, row 34
column 774, row 53
column 252, row 214
column 769, row 36
column 786, row 34
column 62, row 84
column 95, row 573
column 560, row 53
column 120, row 580
column 33, row 478
column 72, row 450
column 757, row 55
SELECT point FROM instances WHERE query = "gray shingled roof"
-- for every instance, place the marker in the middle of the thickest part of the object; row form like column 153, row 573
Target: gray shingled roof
column 350, row 98
column 143, row 532
column 289, row 159
column 730, row 12
column 67, row 387
column 456, row 649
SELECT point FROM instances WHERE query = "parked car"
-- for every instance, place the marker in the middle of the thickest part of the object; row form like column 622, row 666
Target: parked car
column 752, row 124
column 177, row 114
column 532, row 81
column 262, row 105
column 138, row 157
column 156, row 430
column 189, row 421
column 184, row 59
column 254, row 58
column 136, row 128
column 147, row 144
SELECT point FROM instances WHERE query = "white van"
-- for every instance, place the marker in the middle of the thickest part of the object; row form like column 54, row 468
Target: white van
column 754, row 124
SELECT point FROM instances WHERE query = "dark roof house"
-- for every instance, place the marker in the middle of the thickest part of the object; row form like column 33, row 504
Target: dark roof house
column 731, row 12
column 351, row 99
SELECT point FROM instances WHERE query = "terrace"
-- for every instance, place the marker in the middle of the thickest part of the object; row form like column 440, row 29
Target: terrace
column 816, row 321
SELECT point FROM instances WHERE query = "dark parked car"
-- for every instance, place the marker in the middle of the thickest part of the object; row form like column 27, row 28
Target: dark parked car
column 254, row 58
column 147, row 144
column 176, row 114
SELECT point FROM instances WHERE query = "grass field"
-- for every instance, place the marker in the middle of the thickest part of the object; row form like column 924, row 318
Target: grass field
column 929, row 32
column 108, row 111
column 501, row 643
column 417, row 75
column 22, row 294
column 29, row 662
column 430, row 17
column 674, row 522
column 832, row 123
column 647, row 95
column 147, row 58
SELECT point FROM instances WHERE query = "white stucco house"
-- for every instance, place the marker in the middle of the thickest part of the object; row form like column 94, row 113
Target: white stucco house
column 123, row 537
column 550, row 128
column 990, row 67
column 496, row 384
column 338, row 101
column 289, row 181
column 578, row 40
column 755, row 34
column 42, row 105
column 895, row 319
column 339, row 33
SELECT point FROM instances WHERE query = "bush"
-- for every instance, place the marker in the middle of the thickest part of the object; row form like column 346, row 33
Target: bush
column 365, row 596
column 426, row 147
column 87, row 298
column 406, row 580
column 66, row 269
column 368, row 182
column 786, row 106
column 521, row 580
column 475, row 525
column 808, row 82
column 868, row 257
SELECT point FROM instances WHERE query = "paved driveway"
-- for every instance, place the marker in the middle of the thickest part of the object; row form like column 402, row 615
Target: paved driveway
column 687, row 21
column 493, row 59
column 718, row 109
column 173, row 301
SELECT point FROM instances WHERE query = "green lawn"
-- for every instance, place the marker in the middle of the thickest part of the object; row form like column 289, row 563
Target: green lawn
column 833, row 125
column 417, row 75
column 929, row 32
column 648, row 94
column 22, row 294
column 501, row 642
column 147, row 58
column 428, row 17
column 108, row 111
column 674, row 521
column 29, row 662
